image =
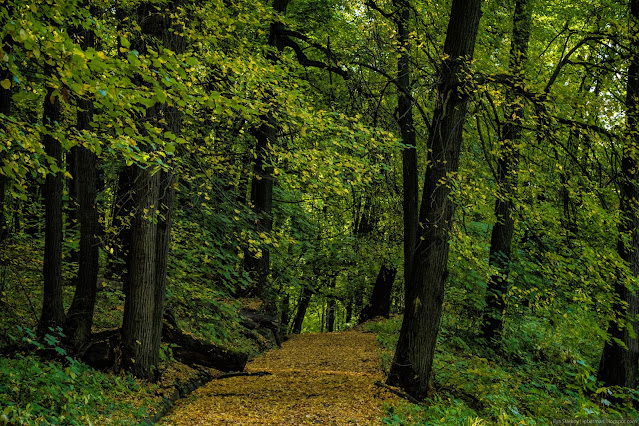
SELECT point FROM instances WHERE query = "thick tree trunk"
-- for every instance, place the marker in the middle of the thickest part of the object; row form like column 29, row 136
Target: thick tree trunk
column 618, row 365
column 424, row 288
column 138, row 338
column 166, row 203
column 52, row 309
column 302, row 306
column 502, row 232
column 379, row 305
column 150, row 232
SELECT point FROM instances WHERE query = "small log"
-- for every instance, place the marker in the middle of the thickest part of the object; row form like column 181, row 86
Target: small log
column 243, row 374
column 266, row 325
column 190, row 350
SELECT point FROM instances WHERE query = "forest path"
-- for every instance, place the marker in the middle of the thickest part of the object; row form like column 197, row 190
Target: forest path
column 322, row 378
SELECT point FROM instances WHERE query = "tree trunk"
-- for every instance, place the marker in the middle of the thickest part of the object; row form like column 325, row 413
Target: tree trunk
column 5, row 108
column 502, row 232
column 424, row 287
column 262, row 183
column 52, row 309
column 407, row 131
column 138, row 337
column 618, row 365
column 4, row 228
column 262, row 202
column 379, row 305
column 80, row 315
column 153, row 196
column 330, row 307
column 302, row 306
column 285, row 313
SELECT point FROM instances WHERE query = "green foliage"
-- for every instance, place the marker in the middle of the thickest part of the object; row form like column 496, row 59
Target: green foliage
column 476, row 385
column 36, row 391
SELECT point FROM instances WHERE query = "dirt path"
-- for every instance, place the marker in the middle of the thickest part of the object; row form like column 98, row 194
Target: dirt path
column 315, row 379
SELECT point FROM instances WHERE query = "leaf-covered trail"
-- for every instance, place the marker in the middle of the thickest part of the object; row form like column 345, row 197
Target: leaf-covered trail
column 324, row 378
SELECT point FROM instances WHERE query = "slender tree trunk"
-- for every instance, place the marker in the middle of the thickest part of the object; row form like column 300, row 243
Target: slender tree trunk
column 502, row 232
column 424, row 288
column 262, row 183
column 5, row 108
column 349, row 311
column 4, row 228
column 120, row 213
column 618, row 365
column 407, row 131
column 165, row 222
column 80, row 314
column 330, row 306
column 302, row 306
column 262, row 202
column 285, row 313
column 79, row 319
column 52, row 309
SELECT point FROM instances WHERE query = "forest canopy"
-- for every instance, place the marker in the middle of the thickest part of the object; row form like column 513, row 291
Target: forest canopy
column 470, row 166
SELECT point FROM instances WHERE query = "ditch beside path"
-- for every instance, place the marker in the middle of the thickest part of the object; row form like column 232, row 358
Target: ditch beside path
column 323, row 378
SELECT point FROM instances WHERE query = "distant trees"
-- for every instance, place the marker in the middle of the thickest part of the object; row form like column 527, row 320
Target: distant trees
column 506, row 179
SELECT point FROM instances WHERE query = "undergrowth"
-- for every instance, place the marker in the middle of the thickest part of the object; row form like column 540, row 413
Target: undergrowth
column 38, row 390
column 532, row 383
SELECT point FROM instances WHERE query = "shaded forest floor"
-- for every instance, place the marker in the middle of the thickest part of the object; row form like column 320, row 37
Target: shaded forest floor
column 312, row 379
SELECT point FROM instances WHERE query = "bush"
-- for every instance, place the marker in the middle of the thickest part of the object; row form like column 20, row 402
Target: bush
column 36, row 391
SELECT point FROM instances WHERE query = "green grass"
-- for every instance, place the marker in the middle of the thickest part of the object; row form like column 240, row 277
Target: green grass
column 532, row 380
column 34, row 390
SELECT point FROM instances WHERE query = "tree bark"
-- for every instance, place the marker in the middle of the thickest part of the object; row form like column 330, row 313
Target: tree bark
column 407, row 132
column 618, row 365
column 424, row 287
column 379, row 305
column 330, row 306
column 302, row 306
column 153, row 197
column 52, row 309
column 285, row 313
column 5, row 108
column 138, row 339
column 80, row 315
column 262, row 182
column 165, row 222
column 502, row 232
